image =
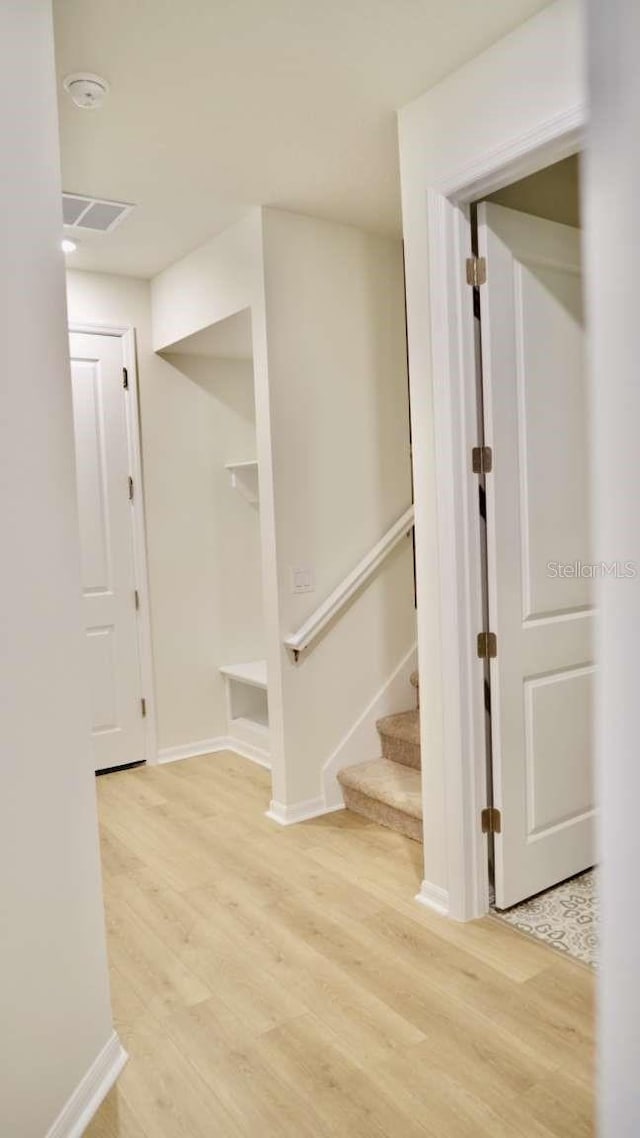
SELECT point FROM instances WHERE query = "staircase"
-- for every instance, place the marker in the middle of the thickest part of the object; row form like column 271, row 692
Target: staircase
column 389, row 790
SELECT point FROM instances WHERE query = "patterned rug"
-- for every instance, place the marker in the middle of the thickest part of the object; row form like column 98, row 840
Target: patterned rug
column 566, row 917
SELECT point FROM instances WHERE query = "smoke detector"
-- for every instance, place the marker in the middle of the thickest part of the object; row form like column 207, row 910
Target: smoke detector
column 87, row 91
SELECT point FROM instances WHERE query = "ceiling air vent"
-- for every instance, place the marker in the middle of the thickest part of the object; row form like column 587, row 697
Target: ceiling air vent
column 96, row 214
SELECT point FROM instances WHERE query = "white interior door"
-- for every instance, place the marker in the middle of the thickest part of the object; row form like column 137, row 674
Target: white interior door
column 108, row 563
column 538, row 548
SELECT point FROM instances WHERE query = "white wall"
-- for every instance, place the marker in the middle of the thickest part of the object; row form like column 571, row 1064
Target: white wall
column 329, row 352
column 534, row 74
column 227, row 433
column 54, row 996
column 612, row 227
column 340, row 435
column 222, row 278
column 206, row 602
column 553, row 192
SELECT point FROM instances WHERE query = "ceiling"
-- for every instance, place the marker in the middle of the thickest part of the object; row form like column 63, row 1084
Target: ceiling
column 220, row 105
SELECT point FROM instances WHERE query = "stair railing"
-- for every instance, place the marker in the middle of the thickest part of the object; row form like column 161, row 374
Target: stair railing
column 356, row 580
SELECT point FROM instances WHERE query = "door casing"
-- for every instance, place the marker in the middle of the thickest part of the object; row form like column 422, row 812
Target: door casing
column 442, row 354
column 132, row 408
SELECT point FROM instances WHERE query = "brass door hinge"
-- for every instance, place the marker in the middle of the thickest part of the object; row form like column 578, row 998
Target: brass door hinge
column 125, row 378
column 487, row 645
column 481, row 460
column 476, row 271
column 130, row 488
column 143, row 707
column 136, row 599
column 491, row 820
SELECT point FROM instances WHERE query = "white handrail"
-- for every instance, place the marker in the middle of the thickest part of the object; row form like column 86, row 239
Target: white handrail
column 340, row 597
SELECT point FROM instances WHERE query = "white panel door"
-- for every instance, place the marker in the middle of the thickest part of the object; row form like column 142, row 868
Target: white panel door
column 538, row 550
column 107, row 549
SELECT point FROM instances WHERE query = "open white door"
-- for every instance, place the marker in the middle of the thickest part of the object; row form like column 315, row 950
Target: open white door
column 538, row 548
column 103, row 470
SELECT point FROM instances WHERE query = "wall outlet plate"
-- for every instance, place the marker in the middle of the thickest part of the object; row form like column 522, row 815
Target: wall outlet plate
column 302, row 580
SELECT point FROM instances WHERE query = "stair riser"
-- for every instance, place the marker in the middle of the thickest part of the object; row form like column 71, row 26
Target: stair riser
column 401, row 751
column 382, row 814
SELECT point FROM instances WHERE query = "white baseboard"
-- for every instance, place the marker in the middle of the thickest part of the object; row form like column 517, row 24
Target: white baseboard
column 192, row 750
column 300, row 811
column 248, row 751
column 361, row 742
column 210, row 747
column 93, row 1088
column 434, row 897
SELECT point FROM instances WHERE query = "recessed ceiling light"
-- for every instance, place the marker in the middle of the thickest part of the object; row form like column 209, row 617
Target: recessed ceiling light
column 87, row 91
column 68, row 246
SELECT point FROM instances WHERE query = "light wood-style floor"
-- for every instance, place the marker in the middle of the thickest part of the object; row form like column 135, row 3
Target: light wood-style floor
column 282, row 983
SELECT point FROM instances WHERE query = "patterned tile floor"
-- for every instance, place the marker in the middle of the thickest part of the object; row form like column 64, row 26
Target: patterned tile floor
column 566, row 917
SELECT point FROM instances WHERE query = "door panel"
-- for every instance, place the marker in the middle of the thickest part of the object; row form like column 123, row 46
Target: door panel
column 102, row 666
column 558, row 748
column 107, row 557
column 540, row 594
column 552, row 435
column 91, row 473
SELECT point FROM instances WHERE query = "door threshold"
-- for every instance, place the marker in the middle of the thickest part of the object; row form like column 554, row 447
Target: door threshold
column 565, row 918
column 121, row 767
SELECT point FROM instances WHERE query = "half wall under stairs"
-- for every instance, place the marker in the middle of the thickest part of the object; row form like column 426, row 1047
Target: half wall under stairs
column 389, row 790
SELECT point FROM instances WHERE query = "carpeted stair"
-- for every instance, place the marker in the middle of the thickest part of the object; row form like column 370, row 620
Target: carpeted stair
column 388, row 790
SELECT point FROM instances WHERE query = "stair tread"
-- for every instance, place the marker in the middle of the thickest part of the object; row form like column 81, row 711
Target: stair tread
column 405, row 725
column 388, row 782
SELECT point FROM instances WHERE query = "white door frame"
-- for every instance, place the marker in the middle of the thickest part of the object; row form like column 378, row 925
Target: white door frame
column 456, row 488
column 132, row 411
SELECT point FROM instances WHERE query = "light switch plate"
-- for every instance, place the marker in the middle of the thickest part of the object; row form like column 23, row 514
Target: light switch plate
column 302, row 580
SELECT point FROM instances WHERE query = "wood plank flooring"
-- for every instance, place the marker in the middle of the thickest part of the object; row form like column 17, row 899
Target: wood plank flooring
column 282, row 983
